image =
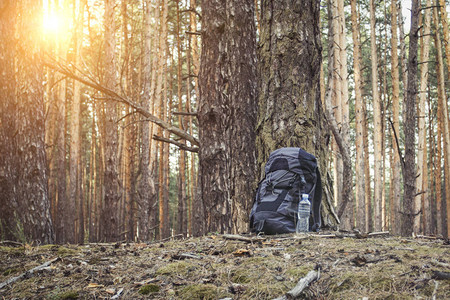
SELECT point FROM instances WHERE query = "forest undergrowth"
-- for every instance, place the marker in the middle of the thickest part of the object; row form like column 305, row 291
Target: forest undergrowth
column 350, row 266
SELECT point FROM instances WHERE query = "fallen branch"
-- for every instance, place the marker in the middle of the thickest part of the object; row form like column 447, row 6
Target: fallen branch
column 242, row 238
column 301, row 285
column 28, row 273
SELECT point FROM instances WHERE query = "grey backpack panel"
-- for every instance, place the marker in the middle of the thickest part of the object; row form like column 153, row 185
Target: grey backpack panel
column 290, row 172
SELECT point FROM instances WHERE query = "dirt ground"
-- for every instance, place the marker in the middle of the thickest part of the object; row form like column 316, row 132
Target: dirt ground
column 226, row 267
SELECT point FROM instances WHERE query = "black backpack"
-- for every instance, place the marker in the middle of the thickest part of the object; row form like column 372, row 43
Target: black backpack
column 289, row 172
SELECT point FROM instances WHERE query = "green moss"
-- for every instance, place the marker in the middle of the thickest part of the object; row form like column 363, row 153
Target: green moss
column 180, row 268
column 13, row 251
column 48, row 247
column 58, row 295
column 266, row 289
column 64, row 252
column 242, row 276
column 198, row 291
column 68, row 295
column 9, row 272
column 299, row 271
column 149, row 289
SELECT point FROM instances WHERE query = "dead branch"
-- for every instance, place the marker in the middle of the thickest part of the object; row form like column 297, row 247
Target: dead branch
column 93, row 83
column 28, row 273
column 180, row 145
column 303, row 283
column 241, row 238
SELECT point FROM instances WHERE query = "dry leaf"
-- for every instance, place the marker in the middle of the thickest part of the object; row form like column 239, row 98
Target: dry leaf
column 242, row 252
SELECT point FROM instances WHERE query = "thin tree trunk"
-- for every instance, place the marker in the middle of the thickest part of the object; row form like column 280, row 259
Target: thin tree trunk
column 75, row 142
column 112, row 194
column 377, row 135
column 195, row 207
column 367, row 177
column 182, row 201
column 93, row 180
column 336, row 99
column 396, row 168
column 345, row 131
column 146, row 189
column 420, row 206
column 409, row 168
column 443, row 127
column 161, row 92
column 359, row 119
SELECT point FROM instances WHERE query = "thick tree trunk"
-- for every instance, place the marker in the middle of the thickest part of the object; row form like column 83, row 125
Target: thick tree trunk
column 194, row 204
column 226, row 114
column 290, row 112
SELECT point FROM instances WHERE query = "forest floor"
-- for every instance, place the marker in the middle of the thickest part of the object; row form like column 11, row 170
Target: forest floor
column 230, row 267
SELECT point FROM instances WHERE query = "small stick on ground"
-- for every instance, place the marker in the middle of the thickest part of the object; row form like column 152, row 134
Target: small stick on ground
column 301, row 285
column 27, row 273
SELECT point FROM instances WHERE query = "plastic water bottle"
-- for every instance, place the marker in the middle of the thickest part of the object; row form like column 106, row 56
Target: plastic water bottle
column 304, row 208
